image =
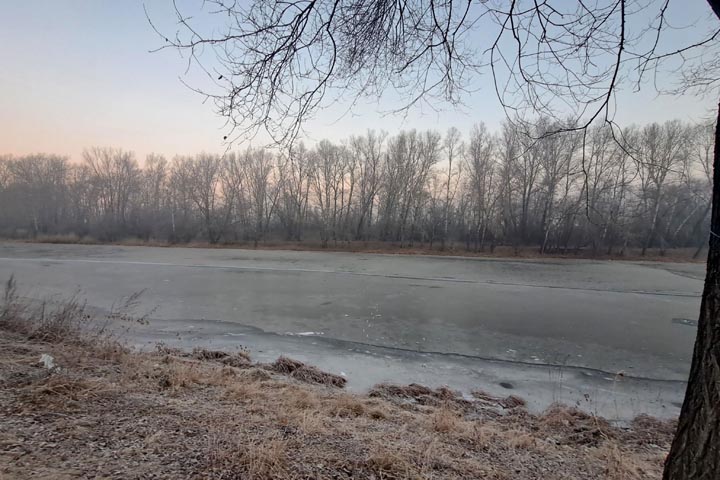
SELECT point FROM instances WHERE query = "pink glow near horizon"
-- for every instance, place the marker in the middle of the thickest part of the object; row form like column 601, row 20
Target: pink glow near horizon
column 79, row 74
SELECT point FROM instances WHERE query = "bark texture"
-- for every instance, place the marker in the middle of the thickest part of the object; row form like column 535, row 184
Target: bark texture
column 695, row 452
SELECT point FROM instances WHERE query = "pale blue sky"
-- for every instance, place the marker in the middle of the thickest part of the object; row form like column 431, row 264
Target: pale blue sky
column 78, row 73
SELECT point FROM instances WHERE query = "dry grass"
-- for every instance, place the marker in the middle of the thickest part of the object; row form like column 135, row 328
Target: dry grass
column 446, row 420
column 414, row 394
column 306, row 373
column 508, row 402
column 67, row 238
column 64, row 321
column 231, row 458
column 239, row 359
column 107, row 412
column 458, row 249
column 348, row 406
column 60, row 389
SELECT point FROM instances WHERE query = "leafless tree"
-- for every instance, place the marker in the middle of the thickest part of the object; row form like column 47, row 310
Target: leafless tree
column 394, row 189
column 454, row 151
column 202, row 175
column 263, row 191
column 115, row 178
column 153, row 196
column 40, row 180
column 368, row 150
column 294, row 177
column 482, row 182
column 662, row 148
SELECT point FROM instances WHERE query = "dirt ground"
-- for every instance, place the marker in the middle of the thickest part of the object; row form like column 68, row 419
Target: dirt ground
column 94, row 409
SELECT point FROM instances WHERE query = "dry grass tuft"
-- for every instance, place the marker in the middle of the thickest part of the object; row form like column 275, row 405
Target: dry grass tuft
column 562, row 416
column 388, row 464
column 377, row 414
column 520, row 439
column 306, row 373
column 574, row 427
column 406, row 391
column 59, row 323
column 508, row 403
column 649, row 430
column 620, row 465
column 58, row 389
column 183, row 373
column 46, row 322
column 245, row 392
column 286, row 365
column 231, row 458
column 346, row 406
column 11, row 310
column 445, row 420
column 512, row 401
column 239, row 359
column 256, row 375
column 265, row 459
column 65, row 321
column 162, row 349
column 420, row 394
column 205, row 354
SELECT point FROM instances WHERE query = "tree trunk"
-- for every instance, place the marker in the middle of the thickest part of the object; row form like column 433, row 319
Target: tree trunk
column 695, row 452
column 545, row 240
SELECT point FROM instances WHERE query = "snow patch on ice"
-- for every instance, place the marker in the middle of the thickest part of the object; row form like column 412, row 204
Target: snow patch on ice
column 304, row 334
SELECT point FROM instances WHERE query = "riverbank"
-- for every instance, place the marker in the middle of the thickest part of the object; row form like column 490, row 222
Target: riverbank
column 77, row 403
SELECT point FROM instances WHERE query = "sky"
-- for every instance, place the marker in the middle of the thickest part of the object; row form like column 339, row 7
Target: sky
column 79, row 73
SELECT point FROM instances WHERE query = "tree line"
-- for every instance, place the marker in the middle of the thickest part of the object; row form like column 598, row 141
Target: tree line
column 599, row 190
